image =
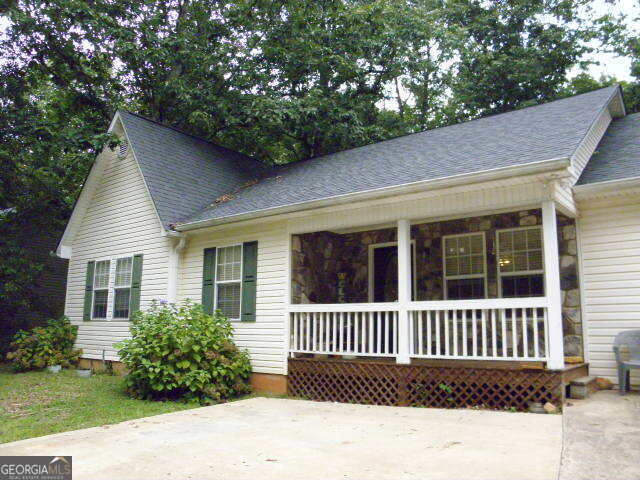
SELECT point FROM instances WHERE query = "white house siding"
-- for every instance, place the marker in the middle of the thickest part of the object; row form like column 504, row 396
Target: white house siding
column 264, row 338
column 589, row 143
column 609, row 235
column 120, row 220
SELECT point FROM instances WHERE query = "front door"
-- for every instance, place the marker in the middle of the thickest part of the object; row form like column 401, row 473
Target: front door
column 385, row 273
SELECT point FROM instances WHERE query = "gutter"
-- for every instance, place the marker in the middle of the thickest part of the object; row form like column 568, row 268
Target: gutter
column 412, row 187
column 609, row 186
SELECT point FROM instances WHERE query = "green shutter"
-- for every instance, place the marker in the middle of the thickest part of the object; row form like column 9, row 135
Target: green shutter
column 136, row 280
column 208, row 272
column 249, row 281
column 88, row 291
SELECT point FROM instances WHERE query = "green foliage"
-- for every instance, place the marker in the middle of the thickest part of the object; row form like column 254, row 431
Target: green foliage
column 40, row 347
column 281, row 80
column 182, row 352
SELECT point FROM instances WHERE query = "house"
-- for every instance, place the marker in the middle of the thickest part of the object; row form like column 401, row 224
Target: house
column 488, row 262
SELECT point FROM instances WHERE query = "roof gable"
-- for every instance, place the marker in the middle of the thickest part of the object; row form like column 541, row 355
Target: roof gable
column 617, row 156
column 185, row 174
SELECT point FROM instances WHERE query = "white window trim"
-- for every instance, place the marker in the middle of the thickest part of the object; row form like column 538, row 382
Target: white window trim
column 370, row 267
column 111, row 287
column 446, row 277
column 94, row 289
column 520, row 273
column 216, row 282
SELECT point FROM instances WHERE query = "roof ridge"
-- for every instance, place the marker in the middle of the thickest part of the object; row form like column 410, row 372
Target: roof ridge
column 176, row 129
column 617, row 85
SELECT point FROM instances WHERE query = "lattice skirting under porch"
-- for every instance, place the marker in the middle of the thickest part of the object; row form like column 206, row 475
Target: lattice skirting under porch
column 378, row 383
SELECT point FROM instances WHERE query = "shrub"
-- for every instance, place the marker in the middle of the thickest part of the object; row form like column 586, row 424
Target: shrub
column 40, row 347
column 182, row 352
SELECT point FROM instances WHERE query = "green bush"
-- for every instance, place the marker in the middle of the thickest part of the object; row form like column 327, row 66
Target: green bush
column 41, row 347
column 182, row 352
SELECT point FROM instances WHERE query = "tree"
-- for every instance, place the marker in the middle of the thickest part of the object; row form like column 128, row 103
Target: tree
column 512, row 53
column 281, row 80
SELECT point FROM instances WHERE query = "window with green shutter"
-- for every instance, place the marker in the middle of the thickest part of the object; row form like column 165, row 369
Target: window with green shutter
column 112, row 288
column 229, row 280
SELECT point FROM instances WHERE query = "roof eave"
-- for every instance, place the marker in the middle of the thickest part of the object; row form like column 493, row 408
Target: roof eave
column 432, row 184
column 621, row 186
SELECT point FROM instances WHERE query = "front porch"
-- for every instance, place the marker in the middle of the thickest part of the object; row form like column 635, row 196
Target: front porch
column 477, row 309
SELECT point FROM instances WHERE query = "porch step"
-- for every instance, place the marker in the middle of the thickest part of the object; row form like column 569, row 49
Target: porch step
column 582, row 387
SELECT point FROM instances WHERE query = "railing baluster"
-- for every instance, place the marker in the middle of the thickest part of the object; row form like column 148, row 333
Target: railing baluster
column 295, row 331
column 370, row 349
column 378, row 317
column 525, row 334
column 437, row 326
column 387, row 340
column 536, row 347
column 321, row 332
column 349, row 332
column 356, row 338
column 474, row 333
column 429, row 315
column 419, row 333
column 503, row 312
column 494, row 334
column 445, row 319
column 484, row 332
column 455, row 332
column 412, row 324
column 514, row 333
column 363, row 332
column 334, row 318
column 464, row 332
column 545, row 314
column 395, row 332
column 316, row 328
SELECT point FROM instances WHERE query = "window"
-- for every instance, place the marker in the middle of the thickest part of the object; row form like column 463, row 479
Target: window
column 465, row 266
column 228, row 275
column 101, row 289
column 520, row 262
column 122, row 288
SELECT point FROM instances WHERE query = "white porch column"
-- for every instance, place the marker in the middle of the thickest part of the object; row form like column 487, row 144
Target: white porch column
column 555, row 347
column 404, row 289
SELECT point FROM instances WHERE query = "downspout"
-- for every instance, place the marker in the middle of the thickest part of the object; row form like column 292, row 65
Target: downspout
column 178, row 241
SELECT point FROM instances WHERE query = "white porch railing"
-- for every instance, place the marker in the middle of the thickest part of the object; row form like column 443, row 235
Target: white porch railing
column 496, row 329
column 500, row 329
column 364, row 329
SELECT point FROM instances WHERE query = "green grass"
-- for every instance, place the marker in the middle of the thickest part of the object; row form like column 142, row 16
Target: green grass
column 39, row 403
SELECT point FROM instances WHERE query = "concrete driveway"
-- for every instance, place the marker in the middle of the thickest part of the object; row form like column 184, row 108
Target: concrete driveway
column 266, row 438
column 602, row 437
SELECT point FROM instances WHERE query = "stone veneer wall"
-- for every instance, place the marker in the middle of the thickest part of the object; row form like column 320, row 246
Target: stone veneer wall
column 320, row 259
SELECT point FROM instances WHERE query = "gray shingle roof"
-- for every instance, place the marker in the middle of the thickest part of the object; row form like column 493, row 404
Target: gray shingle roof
column 618, row 153
column 184, row 173
column 538, row 133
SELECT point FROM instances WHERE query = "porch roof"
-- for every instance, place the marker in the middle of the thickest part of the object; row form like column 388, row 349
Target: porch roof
column 530, row 135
